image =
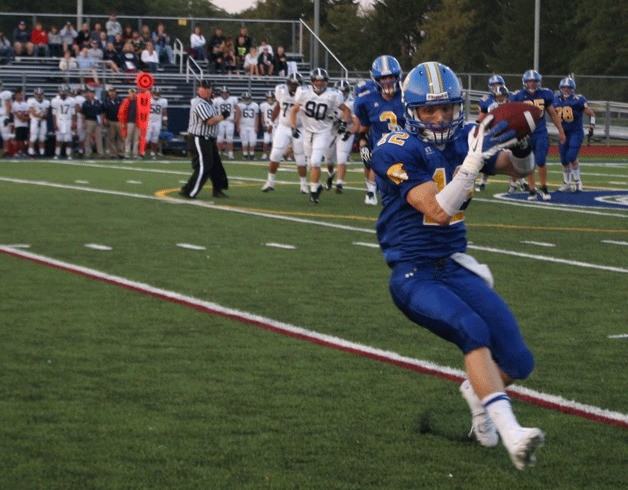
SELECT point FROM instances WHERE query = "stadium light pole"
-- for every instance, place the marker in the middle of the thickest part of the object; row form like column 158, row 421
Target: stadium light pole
column 317, row 14
column 79, row 13
column 537, row 32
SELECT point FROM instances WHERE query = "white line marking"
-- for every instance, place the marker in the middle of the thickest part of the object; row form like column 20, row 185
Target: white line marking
column 540, row 244
column 293, row 219
column 613, row 242
column 619, row 183
column 281, row 245
column 426, row 367
column 96, row 246
column 19, row 245
column 183, row 182
column 366, row 244
column 500, row 198
column 81, row 181
column 191, row 247
column 133, row 182
column 620, row 336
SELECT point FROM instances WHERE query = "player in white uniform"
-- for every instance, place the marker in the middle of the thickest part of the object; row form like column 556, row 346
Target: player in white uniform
column 282, row 138
column 64, row 121
column 158, row 119
column 79, row 98
column 21, row 121
column 266, row 116
column 317, row 105
column 226, row 128
column 38, row 107
column 5, row 113
column 248, row 125
column 342, row 142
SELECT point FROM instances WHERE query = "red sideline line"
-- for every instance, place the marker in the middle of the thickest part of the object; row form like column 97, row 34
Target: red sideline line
column 529, row 398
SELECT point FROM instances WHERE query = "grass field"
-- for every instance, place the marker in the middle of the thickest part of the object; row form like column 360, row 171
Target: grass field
column 105, row 387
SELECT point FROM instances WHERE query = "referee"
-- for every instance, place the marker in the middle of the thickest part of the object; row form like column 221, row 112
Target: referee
column 202, row 130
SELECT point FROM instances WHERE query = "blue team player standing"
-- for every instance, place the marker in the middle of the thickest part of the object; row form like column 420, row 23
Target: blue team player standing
column 570, row 108
column 543, row 98
column 426, row 175
column 379, row 110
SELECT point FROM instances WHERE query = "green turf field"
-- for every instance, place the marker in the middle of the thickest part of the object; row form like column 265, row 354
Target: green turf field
column 103, row 387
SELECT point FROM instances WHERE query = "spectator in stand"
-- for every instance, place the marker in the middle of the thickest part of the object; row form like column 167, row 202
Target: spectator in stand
column 22, row 44
column 68, row 37
column 6, row 51
column 55, row 43
column 228, row 46
column 113, row 27
column 95, row 34
column 127, row 33
column 68, row 62
column 250, row 62
column 247, row 40
column 198, row 44
column 264, row 44
column 145, row 35
column 118, row 43
column 280, row 62
column 161, row 42
column 112, row 58
column 217, row 39
column 138, row 44
column 215, row 60
column 87, row 65
column 265, row 62
column 103, row 40
column 150, row 59
column 94, row 51
column 130, row 61
column 230, row 61
column 83, row 39
column 39, row 38
column 241, row 50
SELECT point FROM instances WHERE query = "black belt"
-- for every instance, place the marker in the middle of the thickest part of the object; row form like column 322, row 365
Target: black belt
column 210, row 138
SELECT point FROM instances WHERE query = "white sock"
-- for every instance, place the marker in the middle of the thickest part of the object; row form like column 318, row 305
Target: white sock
column 340, row 181
column 370, row 186
column 314, row 187
column 271, row 178
column 57, row 151
column 498, row 407
column 303, row 180
column 68, row 151
column 567, row 175
column 475, row 405
column 230, row 154
column 484, row 178
column 576, row 172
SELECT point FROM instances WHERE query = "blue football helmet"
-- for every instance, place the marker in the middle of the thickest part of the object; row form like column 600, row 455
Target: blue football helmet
column 494, row 83
column 531, row 75
column 385, row 66
column 431, row 84
column 567, row 87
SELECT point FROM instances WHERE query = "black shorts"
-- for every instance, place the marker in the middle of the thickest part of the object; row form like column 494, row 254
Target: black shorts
column 21, row 134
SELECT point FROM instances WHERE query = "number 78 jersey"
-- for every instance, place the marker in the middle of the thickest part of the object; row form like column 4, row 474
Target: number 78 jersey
column 318, row 110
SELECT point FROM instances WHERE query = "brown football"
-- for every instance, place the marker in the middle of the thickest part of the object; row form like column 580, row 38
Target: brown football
column 521, row 116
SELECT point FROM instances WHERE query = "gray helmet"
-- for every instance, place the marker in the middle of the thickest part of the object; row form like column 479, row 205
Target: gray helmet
column 38, row 91
column 156, row 90
column 343, row 86
column 246, row 96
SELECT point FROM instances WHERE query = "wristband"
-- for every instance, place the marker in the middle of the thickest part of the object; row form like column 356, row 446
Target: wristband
column 592, row 120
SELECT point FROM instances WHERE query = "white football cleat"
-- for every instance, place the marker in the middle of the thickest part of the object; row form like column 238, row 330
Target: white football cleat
column 370, row 199
column 566, row 187
column 304, row 189
column 267, row 187
column 522, row 449
column 579, row 187
column 482, row 425
column 545, row 195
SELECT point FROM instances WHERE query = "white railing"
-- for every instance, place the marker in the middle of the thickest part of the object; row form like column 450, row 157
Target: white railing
column 179, row 51
column 193, row 68
column 345, row 71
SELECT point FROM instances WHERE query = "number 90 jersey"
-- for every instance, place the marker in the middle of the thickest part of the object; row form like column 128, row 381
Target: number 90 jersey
column 286, row 103
column 228, row 104
column 318, row 110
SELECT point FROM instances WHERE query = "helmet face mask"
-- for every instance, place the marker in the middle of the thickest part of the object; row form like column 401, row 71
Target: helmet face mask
column 270, row 97
column 344, row 87
column 567, row 87
column 294, row 80
column 501, row 94
column 386, row 73
column 224, row 92
column 433, row 101
column 319, row 79
column 531, row 81
column 246, row 97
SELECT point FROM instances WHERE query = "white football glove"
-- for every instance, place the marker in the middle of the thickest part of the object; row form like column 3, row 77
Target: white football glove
column 486, row 143
column 365, row 153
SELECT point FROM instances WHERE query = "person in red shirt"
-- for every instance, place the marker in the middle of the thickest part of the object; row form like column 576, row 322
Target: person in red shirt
column 39, row 38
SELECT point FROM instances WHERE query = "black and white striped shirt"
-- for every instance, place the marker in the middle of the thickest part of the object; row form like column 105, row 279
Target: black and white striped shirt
column 201, row 111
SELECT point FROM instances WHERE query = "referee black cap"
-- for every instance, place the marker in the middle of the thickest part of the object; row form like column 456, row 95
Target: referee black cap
column 205, row 84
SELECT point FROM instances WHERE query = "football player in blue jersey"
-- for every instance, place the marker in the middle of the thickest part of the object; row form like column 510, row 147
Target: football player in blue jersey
column 570, row 108
column 426, row 175
column 379, row 110
column 543, row 98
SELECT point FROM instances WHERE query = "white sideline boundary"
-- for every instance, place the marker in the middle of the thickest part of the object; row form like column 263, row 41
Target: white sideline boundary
column 425, row 367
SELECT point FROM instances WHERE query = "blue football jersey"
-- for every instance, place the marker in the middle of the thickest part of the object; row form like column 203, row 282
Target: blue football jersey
column 487, row 104
column 401, row 162
column 380, row 115
column 364, row 86
column 570, row 111
column 541, row 98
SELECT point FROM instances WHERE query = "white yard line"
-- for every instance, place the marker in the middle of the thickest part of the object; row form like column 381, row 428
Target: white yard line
column 280, row 245
column 619, row 336
column 531, row 396
column 539, row 244
column 190, row 246
column 614, row 242
column 96, row 246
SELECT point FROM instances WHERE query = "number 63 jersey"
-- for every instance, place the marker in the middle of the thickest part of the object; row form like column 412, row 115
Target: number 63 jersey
column 318, row 110
column 402, row 161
